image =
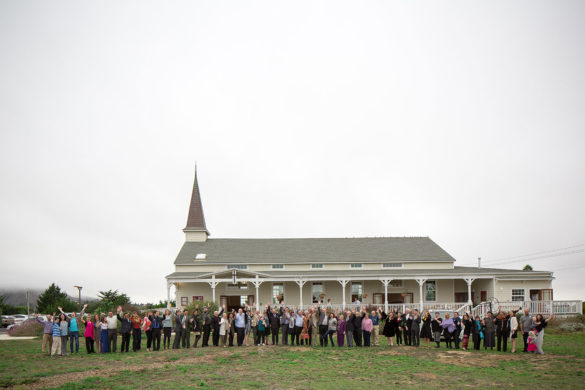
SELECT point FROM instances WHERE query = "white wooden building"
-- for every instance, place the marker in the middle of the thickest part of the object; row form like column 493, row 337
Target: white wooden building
column 403, row 271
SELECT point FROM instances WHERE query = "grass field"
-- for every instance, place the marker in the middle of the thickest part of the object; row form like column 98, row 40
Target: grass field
column 563, row 366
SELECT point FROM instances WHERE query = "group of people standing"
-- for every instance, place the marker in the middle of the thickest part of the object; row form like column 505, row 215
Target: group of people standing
column 312, row 327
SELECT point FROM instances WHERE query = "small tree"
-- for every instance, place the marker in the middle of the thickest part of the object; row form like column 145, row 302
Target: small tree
column 527, row 267
column 110, row 300
column 52, row 298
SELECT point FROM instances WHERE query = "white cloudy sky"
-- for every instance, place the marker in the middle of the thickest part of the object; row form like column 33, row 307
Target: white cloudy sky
column 462, row 121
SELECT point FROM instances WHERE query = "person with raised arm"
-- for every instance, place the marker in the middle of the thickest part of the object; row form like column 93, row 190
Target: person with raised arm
column 240, row 326
column 375, row 317
column 178, row 329
column 112, row 322
column 156, row 320
column 196, row 326
column 248, row 327
column 539, row 324
column 126, row 330
column 206, row 322
column 74, row 328
column 425, row 331
column 513, row 326
column 89, row 334
column 437, row 328
column 136, row 332
column 215, row 325
column 47, row 333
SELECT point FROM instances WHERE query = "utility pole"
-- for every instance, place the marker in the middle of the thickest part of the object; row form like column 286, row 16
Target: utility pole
column 79, row 289
column 27, row 303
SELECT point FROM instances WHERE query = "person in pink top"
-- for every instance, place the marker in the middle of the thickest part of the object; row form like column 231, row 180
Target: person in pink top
column 367, row 327
column 89, row 334
column 532, row 341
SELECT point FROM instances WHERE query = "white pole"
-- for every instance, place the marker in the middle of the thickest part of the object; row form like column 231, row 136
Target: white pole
column 386, row 296
column 213, row 288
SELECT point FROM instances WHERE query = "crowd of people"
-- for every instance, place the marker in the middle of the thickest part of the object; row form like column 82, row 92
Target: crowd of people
column 316, row 326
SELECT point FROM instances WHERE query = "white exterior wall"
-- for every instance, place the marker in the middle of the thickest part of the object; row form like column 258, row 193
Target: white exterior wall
column 504, row 288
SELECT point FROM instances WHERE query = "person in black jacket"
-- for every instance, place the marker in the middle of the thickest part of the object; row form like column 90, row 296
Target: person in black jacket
column 415, row 329
column 206, row 320
column 156, row 327
column 178, row 330
column 215, row 325
column 126, row 330
column 437, row 328
column 357, row 328
column 349, row 327
column 186, row 334
column 407, row 326
column 502, row 331
column 196, row 325
column 274, row 320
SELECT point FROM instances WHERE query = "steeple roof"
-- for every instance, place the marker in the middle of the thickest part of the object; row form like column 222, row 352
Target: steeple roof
column 196, row 220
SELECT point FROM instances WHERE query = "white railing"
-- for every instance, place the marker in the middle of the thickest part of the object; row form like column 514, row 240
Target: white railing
column 535, row 307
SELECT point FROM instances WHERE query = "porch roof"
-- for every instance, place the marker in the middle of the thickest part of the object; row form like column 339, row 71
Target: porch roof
column 456, row 272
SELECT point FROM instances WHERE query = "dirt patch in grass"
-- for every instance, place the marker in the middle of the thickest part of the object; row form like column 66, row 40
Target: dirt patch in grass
column 61, row 379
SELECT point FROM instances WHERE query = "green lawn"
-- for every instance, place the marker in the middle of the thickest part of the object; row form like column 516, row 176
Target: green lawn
column 563, row 366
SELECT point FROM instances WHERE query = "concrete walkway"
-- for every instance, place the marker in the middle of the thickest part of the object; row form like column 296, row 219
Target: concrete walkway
column 4, row 337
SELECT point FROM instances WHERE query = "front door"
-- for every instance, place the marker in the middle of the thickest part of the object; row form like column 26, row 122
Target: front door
column 483, row 296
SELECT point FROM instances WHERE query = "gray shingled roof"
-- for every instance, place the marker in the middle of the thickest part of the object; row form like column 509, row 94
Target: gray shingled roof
column 313, row 250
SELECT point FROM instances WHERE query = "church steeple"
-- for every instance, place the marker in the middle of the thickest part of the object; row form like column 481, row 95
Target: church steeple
column 196, row 229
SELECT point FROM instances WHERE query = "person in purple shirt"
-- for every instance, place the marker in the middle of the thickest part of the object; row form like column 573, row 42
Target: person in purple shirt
column 448, row 328
column 47, row 332
column 340, row 330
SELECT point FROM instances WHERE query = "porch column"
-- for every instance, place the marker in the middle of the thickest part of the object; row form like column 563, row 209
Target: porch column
column 420, row 289
column 469, row 301
column 169, row 284
column 343, row 283
column 386, row 282
column 213, row 283
column 257, row 284
column 301, row 283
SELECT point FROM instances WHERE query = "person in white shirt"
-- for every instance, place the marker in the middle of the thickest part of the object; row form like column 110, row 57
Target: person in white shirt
column 112, row 322
column 223, row 329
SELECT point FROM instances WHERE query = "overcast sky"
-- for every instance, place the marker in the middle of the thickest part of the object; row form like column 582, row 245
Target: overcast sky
column 462, row 121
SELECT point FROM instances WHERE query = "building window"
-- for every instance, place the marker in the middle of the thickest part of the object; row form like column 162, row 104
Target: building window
column 313, row 266
column 277, row 266
column 396, row 283
column 356, row 292
column 392, row 265
column 317, row 292
column 237, row 266
column 517, row 295
column 355, row 265
column 430, row 291
column 243, row 300
column 184, row 301
column 197, row 298
column 277, row 293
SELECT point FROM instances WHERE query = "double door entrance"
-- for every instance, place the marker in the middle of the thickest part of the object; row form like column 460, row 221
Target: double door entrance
column 236, row 301
column 393, row 298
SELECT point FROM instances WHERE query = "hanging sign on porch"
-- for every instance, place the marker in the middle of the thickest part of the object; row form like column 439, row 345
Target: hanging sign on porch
column 234, row 276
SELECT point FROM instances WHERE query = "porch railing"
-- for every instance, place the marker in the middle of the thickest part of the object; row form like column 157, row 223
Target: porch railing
column 535, row 307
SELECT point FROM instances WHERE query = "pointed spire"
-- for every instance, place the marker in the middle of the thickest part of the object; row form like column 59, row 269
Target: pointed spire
column 196, row 220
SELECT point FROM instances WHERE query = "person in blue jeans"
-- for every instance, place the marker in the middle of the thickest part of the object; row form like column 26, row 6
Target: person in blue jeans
column 74, row 328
